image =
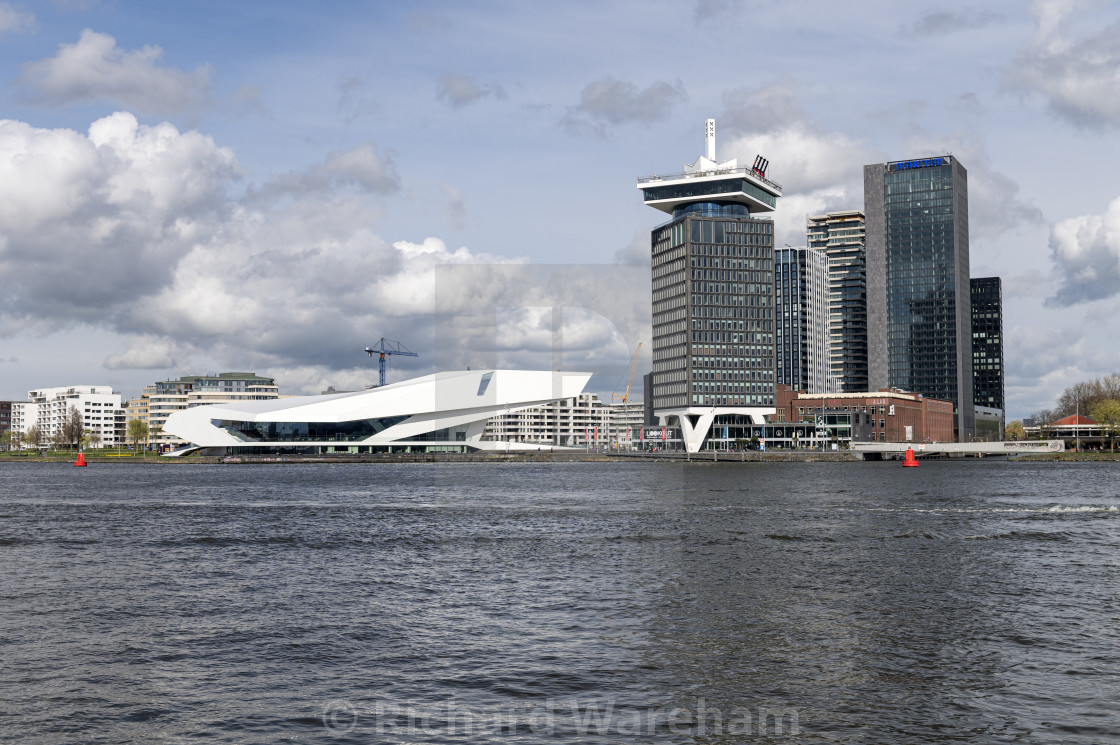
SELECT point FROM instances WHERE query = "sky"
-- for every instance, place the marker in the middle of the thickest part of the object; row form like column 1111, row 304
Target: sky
column 200, row 187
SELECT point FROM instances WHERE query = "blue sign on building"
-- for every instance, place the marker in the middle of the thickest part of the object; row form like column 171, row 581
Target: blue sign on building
column 903, row 165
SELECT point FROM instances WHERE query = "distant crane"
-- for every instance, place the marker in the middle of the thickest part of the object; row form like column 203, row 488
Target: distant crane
column 633, row 367
column 384, row 348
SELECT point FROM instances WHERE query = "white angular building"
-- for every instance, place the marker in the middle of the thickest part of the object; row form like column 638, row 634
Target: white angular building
column 443, row 412
column 49, row 408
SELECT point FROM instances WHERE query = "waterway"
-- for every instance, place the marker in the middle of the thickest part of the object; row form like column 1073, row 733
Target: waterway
column 571, row 603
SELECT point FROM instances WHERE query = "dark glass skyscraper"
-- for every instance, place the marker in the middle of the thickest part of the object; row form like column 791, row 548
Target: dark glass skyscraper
column 987, row 342
column 918, row 291
column 713, row 295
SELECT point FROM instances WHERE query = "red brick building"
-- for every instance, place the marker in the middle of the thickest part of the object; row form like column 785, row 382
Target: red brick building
column 892, row 411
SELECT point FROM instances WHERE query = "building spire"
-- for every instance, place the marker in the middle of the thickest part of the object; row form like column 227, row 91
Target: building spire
column 710, row 139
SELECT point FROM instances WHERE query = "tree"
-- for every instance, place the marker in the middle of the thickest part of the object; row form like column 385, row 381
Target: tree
column 137, row 431
column 33, row 437
column 1107, row 414
column 94, row 438
column 1014, row 431
column 6, row 439
column 72, row 428
column 1043, row 418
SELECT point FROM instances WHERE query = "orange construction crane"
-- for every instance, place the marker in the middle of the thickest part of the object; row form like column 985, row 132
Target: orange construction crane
column 633, row 367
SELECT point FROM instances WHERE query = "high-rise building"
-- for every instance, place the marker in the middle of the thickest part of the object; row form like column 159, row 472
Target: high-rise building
column 919, row 317
column 801, row 333
column 841, row 236
column 713, row 295
column 987, row 342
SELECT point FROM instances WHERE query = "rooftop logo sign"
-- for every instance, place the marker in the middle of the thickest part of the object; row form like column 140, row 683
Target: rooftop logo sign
column 904, row 165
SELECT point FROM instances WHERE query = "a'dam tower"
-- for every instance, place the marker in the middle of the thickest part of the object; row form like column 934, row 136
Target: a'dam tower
column 713, row 297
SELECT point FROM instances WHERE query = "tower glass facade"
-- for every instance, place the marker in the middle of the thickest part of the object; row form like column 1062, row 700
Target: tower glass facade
column 919, row 295
column 801, row 339
column 713, row 311
column 987, row 342
column 713, row 297
column 841, row 237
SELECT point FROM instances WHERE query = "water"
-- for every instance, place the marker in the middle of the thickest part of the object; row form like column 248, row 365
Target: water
column 593, row 603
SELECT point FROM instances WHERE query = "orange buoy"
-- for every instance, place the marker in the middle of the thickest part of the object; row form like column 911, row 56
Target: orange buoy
column 910, row 461
column 81, row 461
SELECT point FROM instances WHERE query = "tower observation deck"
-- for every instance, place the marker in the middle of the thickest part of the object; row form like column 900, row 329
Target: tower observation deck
column 707, row 181
column 713, row 297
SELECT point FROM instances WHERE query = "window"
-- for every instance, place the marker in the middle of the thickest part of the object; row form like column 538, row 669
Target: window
column 484, row 383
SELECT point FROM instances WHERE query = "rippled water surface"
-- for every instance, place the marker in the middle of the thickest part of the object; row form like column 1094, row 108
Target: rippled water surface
column 713, row 603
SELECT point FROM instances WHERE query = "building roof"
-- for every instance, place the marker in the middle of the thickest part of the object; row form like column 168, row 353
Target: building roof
column 1073, row 420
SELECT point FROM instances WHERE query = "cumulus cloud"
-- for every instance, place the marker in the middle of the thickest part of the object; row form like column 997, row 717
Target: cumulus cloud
column 820, row 171
column 942, row 22
column 362, row 168
column 637, row 252
column 96, row 69
column 611, row 101
column 1078, row 76
column 458, row 91
column 146, row 231
column 89, row 221
column 145, row 352
column 15, row 21
column 1086, row 253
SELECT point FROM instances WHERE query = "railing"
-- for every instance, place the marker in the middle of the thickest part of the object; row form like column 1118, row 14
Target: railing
column 741, row 171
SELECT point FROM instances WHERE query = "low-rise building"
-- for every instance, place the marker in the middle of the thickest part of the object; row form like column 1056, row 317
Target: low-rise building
column 583, row 421
column 1076, row 430
column 6, row 421
column 895, row 416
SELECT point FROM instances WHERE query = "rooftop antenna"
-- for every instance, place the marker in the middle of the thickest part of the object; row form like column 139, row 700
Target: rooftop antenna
column 710, row 139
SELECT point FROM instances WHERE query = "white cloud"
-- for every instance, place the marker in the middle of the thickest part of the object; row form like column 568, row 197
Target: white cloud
column 1078, row 76
column 610, row 101
column 819, row 171
column 144, row 353
column 361, row 168
column 95, row 69
column 145, row 232
column 1086, row 253
column 460, row 90
column 15, row 21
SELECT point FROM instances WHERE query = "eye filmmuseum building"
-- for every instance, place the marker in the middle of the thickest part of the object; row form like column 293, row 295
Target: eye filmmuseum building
column 713, row 296
column 919, row 317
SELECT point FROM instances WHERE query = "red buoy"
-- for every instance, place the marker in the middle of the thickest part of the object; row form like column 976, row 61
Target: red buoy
column 81, row 461
column 910, row 461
